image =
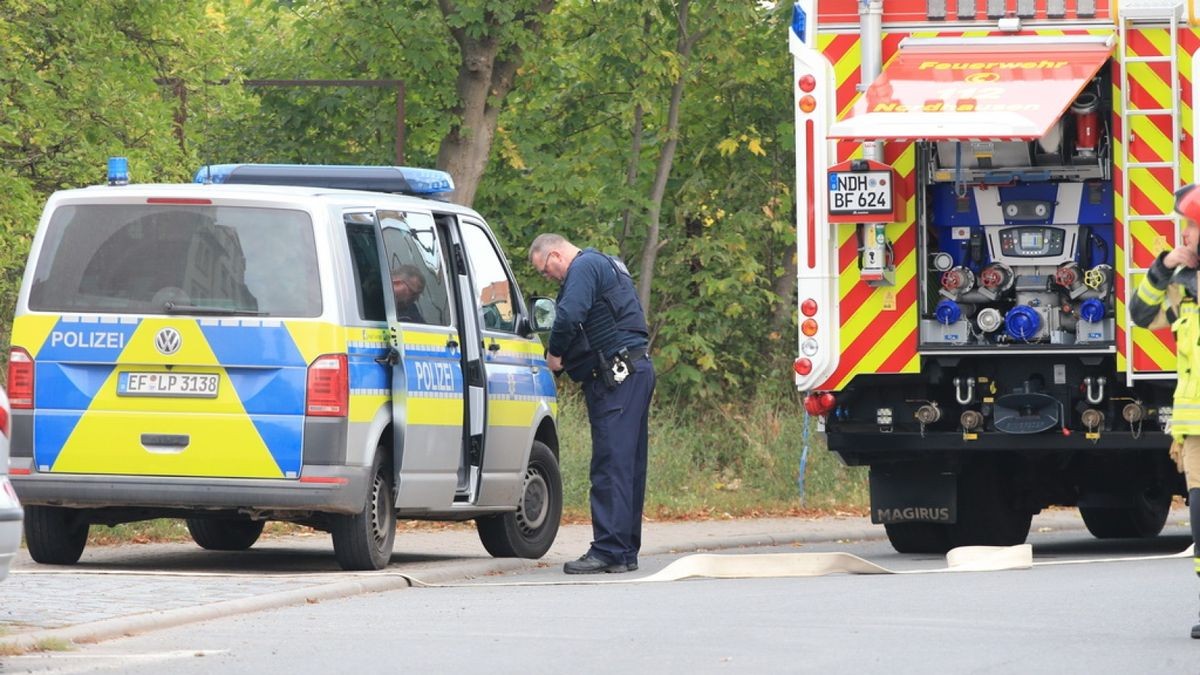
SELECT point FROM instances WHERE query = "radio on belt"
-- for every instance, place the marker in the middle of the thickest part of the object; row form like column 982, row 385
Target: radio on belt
column 862, row 191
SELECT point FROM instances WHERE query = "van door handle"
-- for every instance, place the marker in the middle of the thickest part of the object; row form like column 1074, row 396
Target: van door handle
column 494, row 347
column 451, row 344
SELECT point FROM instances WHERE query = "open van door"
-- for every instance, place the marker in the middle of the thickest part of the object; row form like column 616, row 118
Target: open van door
column 427, row 376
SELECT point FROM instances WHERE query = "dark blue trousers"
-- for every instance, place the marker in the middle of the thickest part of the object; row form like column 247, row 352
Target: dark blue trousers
column 619, row 419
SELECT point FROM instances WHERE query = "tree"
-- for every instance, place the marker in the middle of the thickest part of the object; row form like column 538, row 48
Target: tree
column 491, row 36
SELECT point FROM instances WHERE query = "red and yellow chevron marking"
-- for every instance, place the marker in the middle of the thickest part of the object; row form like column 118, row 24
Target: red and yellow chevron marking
column 878, row 325
column 1150, row 189
column 878, row 329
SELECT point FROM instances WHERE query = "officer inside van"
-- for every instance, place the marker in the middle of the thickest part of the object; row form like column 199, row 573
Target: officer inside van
column 407, row 285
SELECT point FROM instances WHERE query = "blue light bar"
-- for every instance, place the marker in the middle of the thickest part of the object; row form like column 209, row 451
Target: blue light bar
column 399, row 179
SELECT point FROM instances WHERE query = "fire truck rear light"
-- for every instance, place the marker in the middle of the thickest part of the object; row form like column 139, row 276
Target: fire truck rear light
column 802, row 366
column 883, row 417
column 807, row 83
column 808, row 103
column 20, row 379
column 809, row 327
column 328, row 390
column 820, row 403
column 808, row 307
column 4, row 422
column 809, row 347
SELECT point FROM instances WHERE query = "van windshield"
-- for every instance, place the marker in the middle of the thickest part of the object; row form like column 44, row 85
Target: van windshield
column 165, row 258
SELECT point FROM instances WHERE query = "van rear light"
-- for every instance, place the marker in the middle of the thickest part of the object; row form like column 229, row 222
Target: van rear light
column 20, row 379
column 328, row 387
column 4, row 421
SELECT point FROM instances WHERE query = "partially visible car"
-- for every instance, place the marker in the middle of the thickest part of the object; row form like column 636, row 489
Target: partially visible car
column 10, row 507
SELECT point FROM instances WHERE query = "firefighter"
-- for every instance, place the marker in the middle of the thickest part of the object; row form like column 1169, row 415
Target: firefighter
column 1167, row 296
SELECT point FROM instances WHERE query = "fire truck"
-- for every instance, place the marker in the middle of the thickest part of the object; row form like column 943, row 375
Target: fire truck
column 981, row 185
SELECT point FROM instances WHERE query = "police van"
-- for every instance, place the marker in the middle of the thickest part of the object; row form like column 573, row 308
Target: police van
column 327, row 345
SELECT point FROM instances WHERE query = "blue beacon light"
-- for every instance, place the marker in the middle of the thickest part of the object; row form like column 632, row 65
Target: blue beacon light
column 118, row 171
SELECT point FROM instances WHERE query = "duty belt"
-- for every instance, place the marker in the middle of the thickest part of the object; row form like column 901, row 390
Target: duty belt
column 613, row 371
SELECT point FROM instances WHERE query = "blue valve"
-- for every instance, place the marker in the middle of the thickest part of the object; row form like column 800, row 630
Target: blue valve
column 1092, row 310
column 1022, row 322
column 948, row 312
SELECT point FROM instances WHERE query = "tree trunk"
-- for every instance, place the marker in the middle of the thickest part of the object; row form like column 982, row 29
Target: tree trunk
column 666, row 159
column 631, row 174
column 485, row 76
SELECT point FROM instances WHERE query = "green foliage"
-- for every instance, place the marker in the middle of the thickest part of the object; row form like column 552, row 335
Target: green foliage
column 734, row 458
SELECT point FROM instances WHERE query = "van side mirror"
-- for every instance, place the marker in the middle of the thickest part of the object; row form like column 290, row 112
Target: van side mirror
column 543, row 314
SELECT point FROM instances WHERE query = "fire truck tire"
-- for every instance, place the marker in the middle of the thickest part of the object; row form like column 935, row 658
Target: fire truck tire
column 55, row 535
column 987, row 514
column 364, row 540
column 1144, row 519
column 225, row 534
column 918, row 537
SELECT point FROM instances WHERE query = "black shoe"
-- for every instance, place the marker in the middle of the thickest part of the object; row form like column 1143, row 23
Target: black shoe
column 631, row 567
column 590, row 564
column 1196, row 632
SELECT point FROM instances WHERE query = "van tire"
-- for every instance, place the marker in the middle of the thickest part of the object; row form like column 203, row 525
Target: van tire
column 225, row 534
column 364, row 540
column 529, row 531
column 55, row 535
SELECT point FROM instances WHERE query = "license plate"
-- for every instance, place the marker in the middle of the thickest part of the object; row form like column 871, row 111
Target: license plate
column 168, row 384
column 860, row 192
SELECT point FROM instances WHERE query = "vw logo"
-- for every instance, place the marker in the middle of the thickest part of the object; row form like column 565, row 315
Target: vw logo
column 168, row 341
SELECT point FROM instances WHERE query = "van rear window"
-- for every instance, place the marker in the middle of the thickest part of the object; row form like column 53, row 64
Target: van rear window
column 163, row 259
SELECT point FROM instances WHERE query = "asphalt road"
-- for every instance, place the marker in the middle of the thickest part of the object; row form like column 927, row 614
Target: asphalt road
column 1096, row 617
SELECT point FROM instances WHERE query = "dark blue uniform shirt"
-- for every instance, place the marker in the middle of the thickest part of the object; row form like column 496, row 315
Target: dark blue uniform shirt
column 598, row 294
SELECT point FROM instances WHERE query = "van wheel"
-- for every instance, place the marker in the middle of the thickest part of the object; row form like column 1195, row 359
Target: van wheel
column 225, row 534
column 529, row 531
column 364, row 541
column 55, row 535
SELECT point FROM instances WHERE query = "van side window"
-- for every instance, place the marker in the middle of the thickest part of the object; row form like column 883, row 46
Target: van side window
column 416, row 267
column 490, row 281
column 364, row 252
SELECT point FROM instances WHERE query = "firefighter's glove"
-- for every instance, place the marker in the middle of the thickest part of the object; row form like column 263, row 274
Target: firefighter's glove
column 1177, row 454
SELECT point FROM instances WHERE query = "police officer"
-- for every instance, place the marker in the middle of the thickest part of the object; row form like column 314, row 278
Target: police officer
column 599, row 337
column 1167, row 296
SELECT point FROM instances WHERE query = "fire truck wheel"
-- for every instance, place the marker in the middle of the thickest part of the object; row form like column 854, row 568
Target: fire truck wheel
column 988, row 513
column 225, row 534
column 918, row 537
column 1143, row 518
